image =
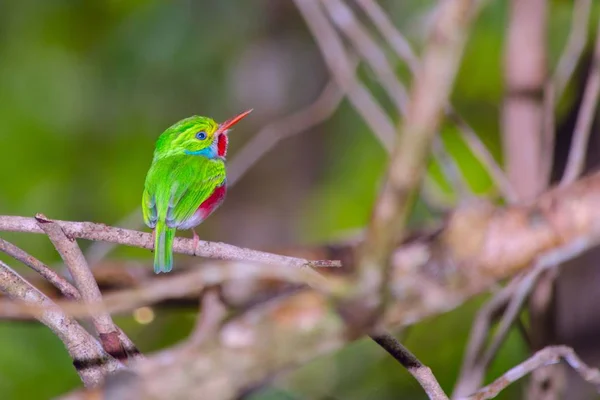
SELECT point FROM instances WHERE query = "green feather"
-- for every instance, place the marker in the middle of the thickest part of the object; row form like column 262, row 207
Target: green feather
column 163, row 245
column 177, row 182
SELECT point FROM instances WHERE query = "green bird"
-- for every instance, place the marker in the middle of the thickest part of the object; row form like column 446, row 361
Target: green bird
column 186, row 181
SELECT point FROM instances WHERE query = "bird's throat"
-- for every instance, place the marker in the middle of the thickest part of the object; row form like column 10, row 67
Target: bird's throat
column 222, row 142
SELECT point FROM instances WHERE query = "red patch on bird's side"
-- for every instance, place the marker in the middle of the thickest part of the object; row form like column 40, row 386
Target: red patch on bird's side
column 213, row 201
column 222, row 145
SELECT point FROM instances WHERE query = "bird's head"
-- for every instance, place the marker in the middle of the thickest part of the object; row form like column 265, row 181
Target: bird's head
column 198, row 136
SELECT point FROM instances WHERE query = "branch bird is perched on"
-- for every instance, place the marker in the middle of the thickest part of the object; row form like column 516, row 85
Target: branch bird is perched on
column 186, row 181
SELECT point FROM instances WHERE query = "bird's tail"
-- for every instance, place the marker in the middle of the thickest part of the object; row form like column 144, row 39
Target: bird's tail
column 163, row 248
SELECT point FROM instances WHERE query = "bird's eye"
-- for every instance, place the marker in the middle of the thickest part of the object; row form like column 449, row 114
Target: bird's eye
column 201, row 135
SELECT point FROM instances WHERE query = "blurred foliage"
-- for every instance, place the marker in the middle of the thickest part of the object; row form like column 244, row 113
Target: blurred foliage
column 86, row 87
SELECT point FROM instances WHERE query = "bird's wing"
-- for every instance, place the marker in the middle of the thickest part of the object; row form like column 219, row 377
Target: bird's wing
column 149, row 208
column 179, row 185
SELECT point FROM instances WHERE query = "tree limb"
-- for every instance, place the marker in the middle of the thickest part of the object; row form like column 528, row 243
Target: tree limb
column 90, row 360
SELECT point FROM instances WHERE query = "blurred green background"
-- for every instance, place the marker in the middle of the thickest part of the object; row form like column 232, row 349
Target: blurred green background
column 87, row 86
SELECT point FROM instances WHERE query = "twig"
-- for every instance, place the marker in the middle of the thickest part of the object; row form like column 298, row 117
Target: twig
column 317, row 112
column 547, row 356
column 472, row 372
column 375, row 57
column 451, row 169
column 574, row 48
column 67, row 290
column 212, row 314
column 484, row 156
column 404, row 51
column 86, row 284
column 341, row 69
column 407, row 166
column 518, row 291
column 415, row 367
column 127, row 237
column 583, row 126
column 90, row 360
column 344, row 18
column 393, row 36
column 555, row 87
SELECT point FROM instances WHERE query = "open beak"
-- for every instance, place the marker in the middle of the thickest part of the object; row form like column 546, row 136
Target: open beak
column 223, row 127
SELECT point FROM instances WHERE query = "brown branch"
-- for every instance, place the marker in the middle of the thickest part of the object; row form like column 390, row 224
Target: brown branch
column 110, row 336
column 127, row 237
column 90, row 360
column 428, row 98
column 479, row 245
column 339, row 64
column 547, row 356
column 583, row 126
column 68, row 290
column 415, row 367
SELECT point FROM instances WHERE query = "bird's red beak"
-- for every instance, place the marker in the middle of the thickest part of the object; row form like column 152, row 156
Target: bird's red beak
column 223, row 127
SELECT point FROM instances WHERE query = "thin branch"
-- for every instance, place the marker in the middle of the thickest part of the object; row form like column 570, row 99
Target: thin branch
column 428, row 98
column 261, row 143
column 67, row 290
column 583, row 126
column 576, row 42
column 518, row 291
column 90, row 360
column 212, row 314
column 451, row 169
column 484, row 156
column 404, row 51
column 547, row 356
column 393, row 36
column 375, row 57
column 415, row 367
column 127, row 237
column 86, row 284
column 555, row 87
column 472, row 371
column 369, row 50
column 339, row 64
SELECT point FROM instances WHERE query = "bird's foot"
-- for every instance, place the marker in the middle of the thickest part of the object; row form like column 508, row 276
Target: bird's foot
column 153, row 244
column 196, row 240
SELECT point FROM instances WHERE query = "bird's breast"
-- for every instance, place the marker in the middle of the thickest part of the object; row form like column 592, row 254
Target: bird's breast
column 206, row 208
